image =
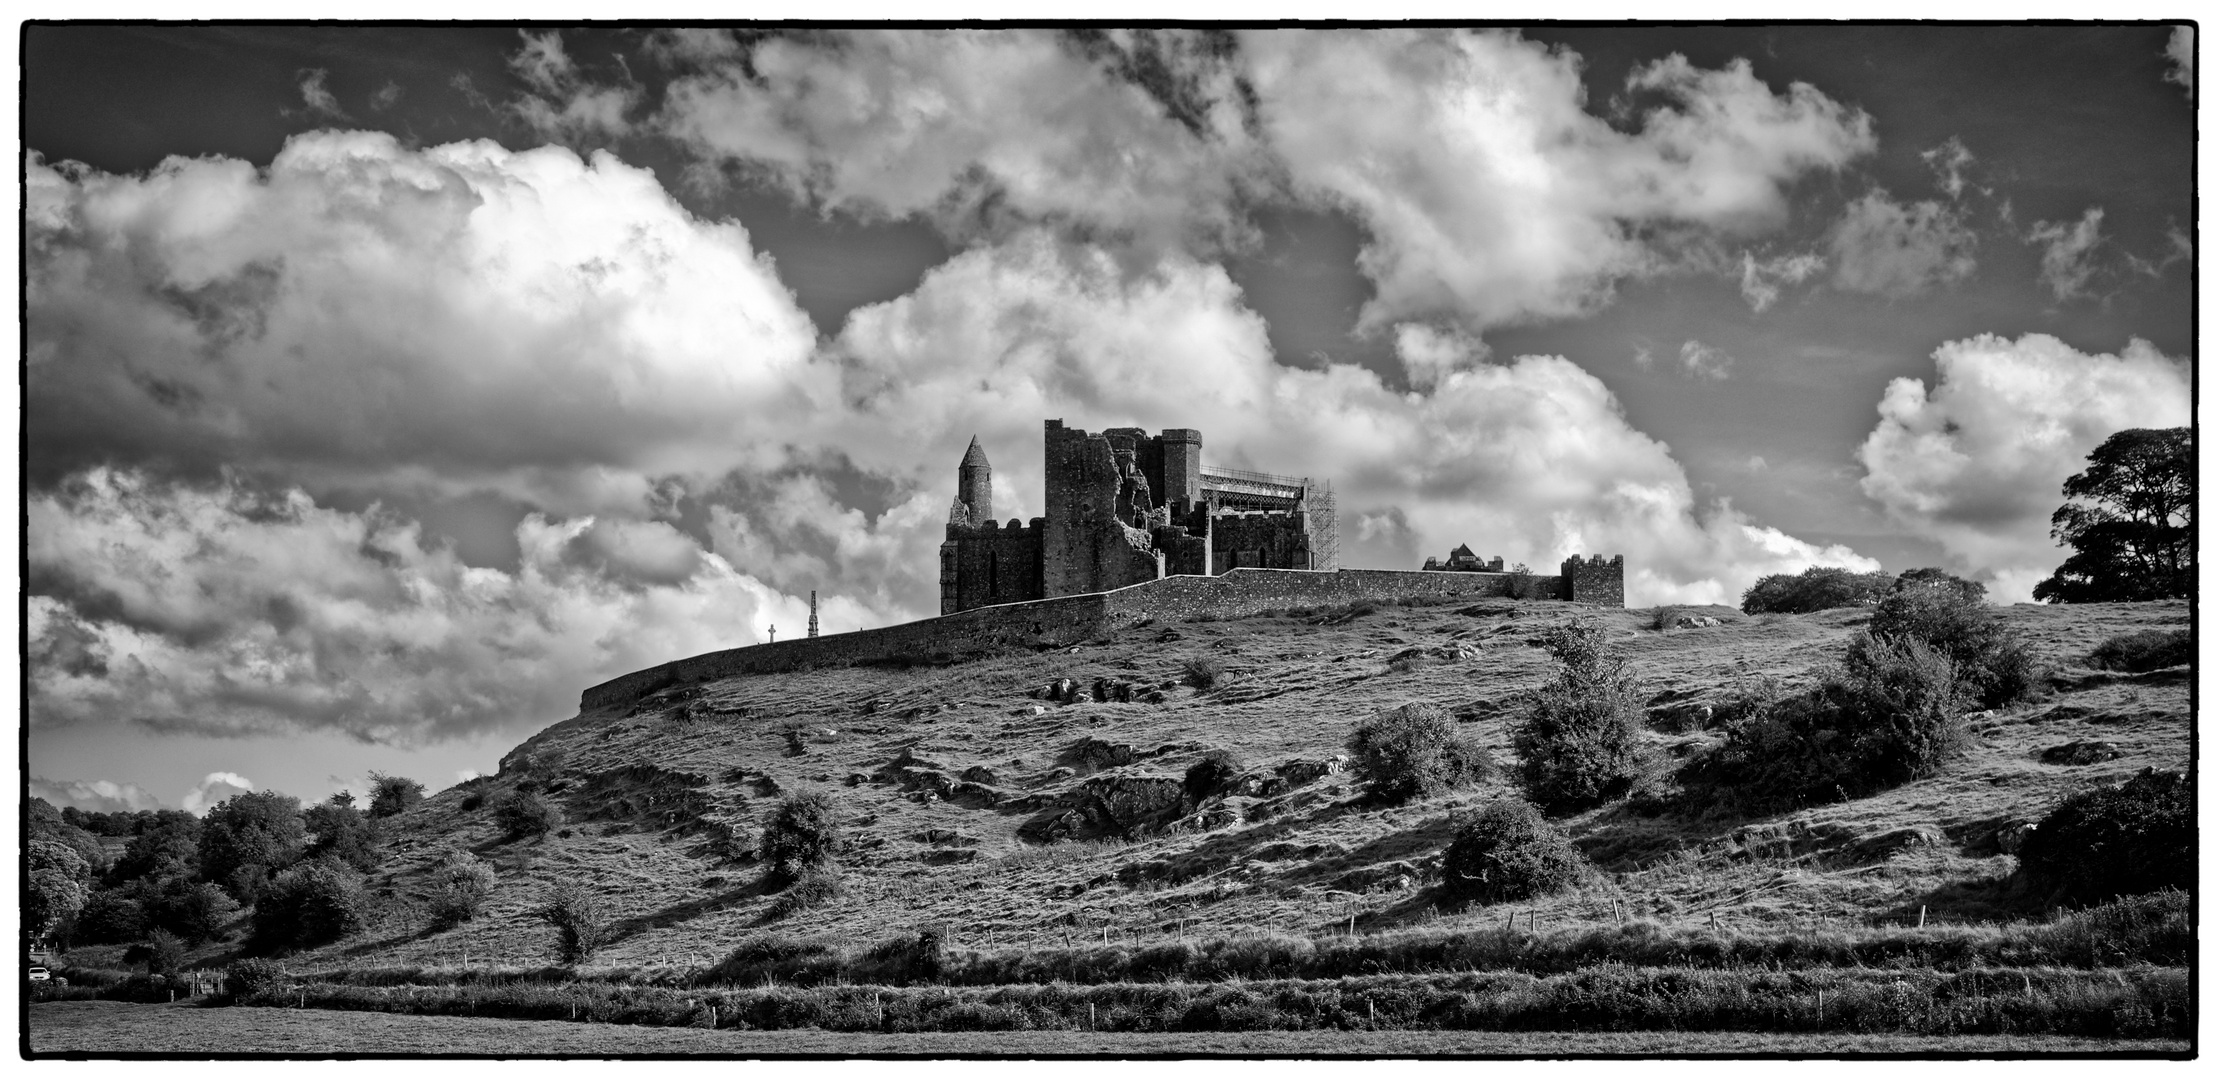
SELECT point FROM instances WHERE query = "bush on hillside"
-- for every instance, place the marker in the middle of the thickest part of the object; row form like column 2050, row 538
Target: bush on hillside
column 197, row 912
column 581, row 923
column 1993, row 661
column 390, row 795
column 523, row 813
column 1815, row 589
column 109, row 916
column 2146, row 650
column 1414, row 751
column 161, row 953
column 1886, row 715
column 802, row 834
column 1206, row 673
column 253, row 977
column 307, row 905
column 459, row 888
column 1209, row 776
column 2118, row 840
column 1580, row 740
column 1505, row 850
column 1933, row 577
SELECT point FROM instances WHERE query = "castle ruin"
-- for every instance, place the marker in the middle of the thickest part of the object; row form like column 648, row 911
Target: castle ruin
column 1123, row 507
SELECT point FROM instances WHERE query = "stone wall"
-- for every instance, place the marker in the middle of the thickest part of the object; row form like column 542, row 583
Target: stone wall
column 1258, row 539
column 990, row 564
column 1065, row 620
column 1595, row 580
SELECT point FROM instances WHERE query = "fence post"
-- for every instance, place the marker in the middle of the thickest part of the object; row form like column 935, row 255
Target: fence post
column 1921, row 916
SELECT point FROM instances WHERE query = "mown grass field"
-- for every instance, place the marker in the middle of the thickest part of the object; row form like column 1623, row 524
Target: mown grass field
column 1900, row 901
column 105, row 1028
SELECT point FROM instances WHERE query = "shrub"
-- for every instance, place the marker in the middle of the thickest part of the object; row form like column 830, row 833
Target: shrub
column 1505, row 850
column 341, row 832
column 525, row 813
column 1886, row 715
column 164, row 955
column 391, row 795
column 198, row 912
column 1993, row 661
column 460, row 887
column 802, row 833
column 2119, row 840
column 472, row 801
column 308, row 905
column 1210, row 775
column 1580, row 740
column 2146, row 650
column 1815, row 589
column 816, row 885
column 581, row 925
column 253, row 977
column 1206, row 673
column 110, row 915
column 1520, row 583
column 1413, row 751
column 1932, row 577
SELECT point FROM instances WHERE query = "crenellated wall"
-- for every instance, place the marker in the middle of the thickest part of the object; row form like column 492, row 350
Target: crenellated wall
column 1066, row 620
column 990, row 563
column 1595, row 580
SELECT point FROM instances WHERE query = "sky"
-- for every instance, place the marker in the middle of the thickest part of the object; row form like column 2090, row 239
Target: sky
column 385, row 387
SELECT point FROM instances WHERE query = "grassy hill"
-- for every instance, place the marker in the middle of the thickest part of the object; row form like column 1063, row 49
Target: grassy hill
column 945, row 778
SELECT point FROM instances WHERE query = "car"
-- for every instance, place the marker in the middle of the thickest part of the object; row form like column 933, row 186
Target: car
column 39, row 974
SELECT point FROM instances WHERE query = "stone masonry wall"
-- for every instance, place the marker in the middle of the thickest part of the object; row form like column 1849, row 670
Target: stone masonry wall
column 1066, row 620
column 1258, row 539
column 1596, row 580
column 991, row 564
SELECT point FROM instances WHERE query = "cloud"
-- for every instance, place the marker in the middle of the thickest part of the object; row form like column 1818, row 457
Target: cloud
column 234, row 611
column 213, row 789
column 445, row 321
column 1760, row 281
column 2066, row 258
column 319, row 100
column 2180, row 49
column 1948, row 162
column 1494, row 196
column 1978, row 463
column 1129, row 134
column 1430, row 354
column 386, row 96
column 96, row 796
column 1699, row 361
column 1531, row 459
column 1884, row 247
column 564, row 106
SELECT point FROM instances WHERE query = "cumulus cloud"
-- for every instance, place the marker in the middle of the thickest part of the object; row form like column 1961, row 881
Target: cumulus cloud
column 564, row 105
column 1978, row 463
column 232, row 611
column 361, row 315
column 1948, row 162
column 2180, row 49
column 1135, row 134
column 2067, row 262
column 1531, row 459
column 213, row 789
column 1895, row 250
column 1494, row 196
column 1699, row 361
column 97, row 796
column 1761, row 279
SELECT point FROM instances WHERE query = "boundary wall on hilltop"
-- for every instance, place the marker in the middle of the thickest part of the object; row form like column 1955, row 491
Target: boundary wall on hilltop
column 1068, row 620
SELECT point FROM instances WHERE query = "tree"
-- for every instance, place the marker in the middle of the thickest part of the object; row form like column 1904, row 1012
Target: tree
column 1580, row 740
column 166, row 846
column 307, row 905
column 460, row 887
column 2131, row 521
column 390, row 795
column 343, row 833
column 196, row 911
column 57, row 876
column 248, row 837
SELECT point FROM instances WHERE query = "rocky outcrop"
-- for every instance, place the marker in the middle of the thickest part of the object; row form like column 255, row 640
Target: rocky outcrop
column 1120, row 806
column 2088, row 752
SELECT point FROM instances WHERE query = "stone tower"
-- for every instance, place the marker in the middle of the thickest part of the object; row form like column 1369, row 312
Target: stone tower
column 812, row 612
column 974, row 483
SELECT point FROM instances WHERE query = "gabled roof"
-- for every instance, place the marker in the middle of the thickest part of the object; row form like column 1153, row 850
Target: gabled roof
column 976, row 455
column 1462, row 551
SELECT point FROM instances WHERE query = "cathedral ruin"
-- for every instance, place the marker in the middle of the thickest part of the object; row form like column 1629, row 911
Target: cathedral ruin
column 1124, row 507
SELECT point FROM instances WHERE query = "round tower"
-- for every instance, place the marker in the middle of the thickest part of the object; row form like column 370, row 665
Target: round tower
column 974, row 483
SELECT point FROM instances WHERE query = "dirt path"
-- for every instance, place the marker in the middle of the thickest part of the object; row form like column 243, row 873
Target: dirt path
column 103, row 1028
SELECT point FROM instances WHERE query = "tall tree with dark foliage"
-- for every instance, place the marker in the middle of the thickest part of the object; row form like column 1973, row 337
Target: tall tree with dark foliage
column 2131, row 521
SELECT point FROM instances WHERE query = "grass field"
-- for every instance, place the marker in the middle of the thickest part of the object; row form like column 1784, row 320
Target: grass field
column 1900, row 901
column 102, row 1028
